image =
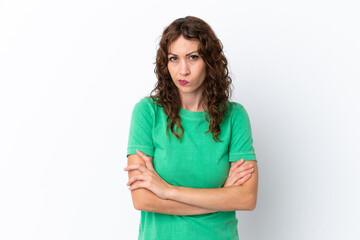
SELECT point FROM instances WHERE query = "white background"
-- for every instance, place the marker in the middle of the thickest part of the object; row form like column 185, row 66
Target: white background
column 71, row 72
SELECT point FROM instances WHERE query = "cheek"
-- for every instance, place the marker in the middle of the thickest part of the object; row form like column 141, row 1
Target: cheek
column 172, row 73
column 201, row 70
column 171, row 70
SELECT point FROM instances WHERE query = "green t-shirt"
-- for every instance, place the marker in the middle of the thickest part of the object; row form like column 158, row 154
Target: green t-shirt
column 197, row 162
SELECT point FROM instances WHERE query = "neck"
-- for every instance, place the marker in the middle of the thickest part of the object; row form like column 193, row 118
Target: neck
column 193, row 103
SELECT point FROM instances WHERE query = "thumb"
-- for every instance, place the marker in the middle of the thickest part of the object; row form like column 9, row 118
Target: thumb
column 146, row 158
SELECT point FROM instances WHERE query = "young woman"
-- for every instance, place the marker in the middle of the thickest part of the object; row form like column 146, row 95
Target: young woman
column 190, row 152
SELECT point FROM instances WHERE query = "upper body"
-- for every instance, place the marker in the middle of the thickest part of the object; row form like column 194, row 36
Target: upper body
column 192, row 132
column 197, row 162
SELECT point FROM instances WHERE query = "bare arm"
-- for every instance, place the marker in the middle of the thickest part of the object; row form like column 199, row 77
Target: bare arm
column 145, row 200
column 230, row 198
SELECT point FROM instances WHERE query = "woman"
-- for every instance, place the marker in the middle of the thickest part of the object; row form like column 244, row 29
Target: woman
column 190, row 183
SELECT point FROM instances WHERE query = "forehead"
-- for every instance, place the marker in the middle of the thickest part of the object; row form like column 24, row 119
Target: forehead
column 182, row 46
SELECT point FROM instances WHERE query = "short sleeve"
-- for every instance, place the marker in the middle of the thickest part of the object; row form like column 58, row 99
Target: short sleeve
column 241, row 141
column 141, row 126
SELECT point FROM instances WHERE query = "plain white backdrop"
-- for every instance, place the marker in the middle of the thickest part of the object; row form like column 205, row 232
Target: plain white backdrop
column 71, row 72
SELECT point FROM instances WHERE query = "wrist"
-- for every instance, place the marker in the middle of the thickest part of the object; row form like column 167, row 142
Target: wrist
column 171, row 192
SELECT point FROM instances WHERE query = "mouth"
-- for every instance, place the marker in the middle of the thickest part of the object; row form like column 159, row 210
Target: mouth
column 183, row 82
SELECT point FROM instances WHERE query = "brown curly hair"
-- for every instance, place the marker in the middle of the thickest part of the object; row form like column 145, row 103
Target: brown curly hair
column 217, row 83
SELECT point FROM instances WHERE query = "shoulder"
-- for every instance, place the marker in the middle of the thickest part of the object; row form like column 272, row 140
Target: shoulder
column 235, row 108
column 238, row 113
column 145, row 104
column 235, row 105
column 145, row 101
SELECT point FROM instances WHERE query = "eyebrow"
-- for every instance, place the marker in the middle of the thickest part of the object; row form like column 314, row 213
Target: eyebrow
column 186, row 54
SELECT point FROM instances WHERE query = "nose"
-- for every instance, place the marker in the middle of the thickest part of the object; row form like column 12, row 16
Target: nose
column 184, row 68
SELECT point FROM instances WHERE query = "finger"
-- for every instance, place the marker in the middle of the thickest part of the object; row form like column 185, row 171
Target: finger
column 237, row 164
column 243, row 168
column 135, row 178
column 136, row 185
column 248, row 166
column 243, row 180
column 139, row 167
column 240, row 174
column 148, row 163
column 141, row 154
column 234, row 164
column 229, row 182
column 232, row 179
column 146, row 158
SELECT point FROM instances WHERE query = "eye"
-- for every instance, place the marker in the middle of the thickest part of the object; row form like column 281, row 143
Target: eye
column 194, row 56
column 171, row 58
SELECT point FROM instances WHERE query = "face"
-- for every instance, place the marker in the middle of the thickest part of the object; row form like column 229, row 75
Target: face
column 185, row 63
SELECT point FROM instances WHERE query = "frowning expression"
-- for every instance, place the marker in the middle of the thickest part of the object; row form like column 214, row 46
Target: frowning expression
column 187, row 69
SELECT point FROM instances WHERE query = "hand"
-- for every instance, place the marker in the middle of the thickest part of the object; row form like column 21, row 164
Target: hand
column 148, row 178
column 238, row 173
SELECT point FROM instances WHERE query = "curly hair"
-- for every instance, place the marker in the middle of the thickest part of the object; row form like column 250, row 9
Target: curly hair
column 217, row 83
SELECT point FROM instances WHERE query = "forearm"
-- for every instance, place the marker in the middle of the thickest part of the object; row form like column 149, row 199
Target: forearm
column 152, row 203
column 218, row 199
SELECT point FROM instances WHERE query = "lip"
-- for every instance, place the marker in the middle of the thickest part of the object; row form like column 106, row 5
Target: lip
column 183, row 82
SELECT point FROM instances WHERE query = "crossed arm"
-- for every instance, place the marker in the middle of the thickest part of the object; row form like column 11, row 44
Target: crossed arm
column 194, row 201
